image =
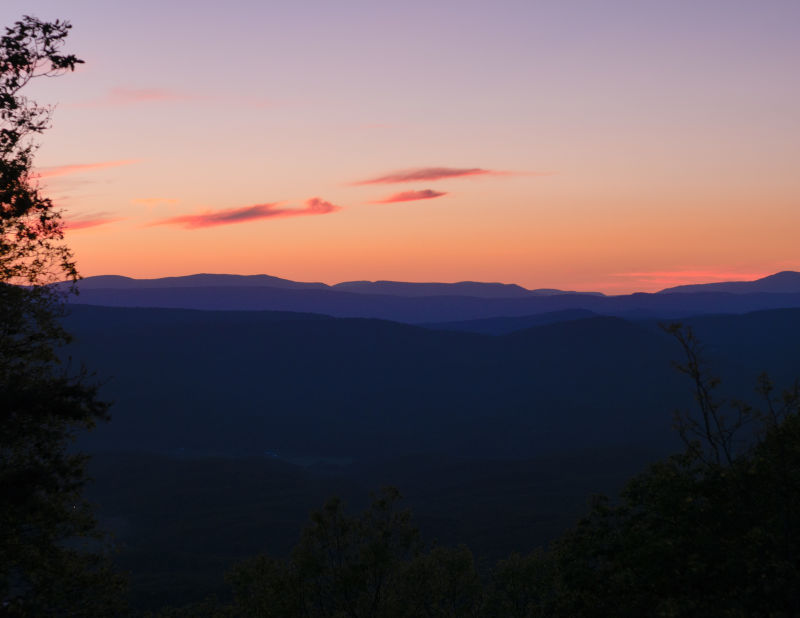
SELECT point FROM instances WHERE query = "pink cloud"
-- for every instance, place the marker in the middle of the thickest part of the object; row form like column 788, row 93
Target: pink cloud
column 152, row 202
column 124, row 96
column 317, row 206
column 117, row 97
column 428, row 174
column 138, row 95
column 314, row 206
column 410, row 196
column 89, row 220
column 134, row 96
column 63, row 170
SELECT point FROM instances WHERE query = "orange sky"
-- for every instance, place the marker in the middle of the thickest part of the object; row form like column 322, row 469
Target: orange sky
column 611, row 146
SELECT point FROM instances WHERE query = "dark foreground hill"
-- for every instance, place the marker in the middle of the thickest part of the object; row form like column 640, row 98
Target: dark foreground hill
column 506, row 325
column 244, row 383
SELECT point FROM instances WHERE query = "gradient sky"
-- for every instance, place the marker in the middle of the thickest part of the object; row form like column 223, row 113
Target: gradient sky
column 605, row 145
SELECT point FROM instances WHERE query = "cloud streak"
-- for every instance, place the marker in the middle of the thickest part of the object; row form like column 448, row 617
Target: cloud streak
column 134, row 96
column 230, row 216
column 63, row 170
column 122, row 97
column 152, row 202
column 125, row 96
column 411, row 196
column 89, row 220
column 426, row 174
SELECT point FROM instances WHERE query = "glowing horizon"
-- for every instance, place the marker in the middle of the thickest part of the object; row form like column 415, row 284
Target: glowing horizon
column 651, row 282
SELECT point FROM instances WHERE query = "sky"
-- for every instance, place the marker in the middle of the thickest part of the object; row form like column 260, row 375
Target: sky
column 612, row 145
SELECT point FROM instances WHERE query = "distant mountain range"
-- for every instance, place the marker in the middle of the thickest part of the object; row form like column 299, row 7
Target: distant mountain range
column 390, row 288
column 461, row 288
column 786, row 282
column 118, row 282
column 427, row 303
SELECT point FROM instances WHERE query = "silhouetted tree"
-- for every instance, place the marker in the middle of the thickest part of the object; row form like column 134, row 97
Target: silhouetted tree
column 342, row 566
column 522, row 587
column 50, row 558
column 711, row 531
column 441, row 583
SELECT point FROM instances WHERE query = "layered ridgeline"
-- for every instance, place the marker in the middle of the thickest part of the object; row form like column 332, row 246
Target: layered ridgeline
column 246, row 383
column 431, row 302
column 565, row 375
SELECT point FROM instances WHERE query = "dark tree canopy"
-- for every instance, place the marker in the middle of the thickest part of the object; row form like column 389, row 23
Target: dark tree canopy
column 342, row 565
column 51, row 561
column 711, row 531
column 31, row 247
column 32, row 251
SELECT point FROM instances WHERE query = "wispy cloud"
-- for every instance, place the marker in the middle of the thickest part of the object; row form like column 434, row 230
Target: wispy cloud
column 125, row 96
column 89, row 220
column 134, row 96
column 410, row 196
column 152, row 202
column 313, row 206
column 120, row 97
column 63, row 170
column 423, row 174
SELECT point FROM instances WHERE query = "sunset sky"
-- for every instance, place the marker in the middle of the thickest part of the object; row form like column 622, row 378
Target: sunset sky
column 597, row 145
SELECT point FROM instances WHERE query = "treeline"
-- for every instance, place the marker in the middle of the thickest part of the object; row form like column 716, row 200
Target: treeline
column 712, row 531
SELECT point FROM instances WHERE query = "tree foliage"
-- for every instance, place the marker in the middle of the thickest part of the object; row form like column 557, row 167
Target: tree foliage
column 50, row 558
column 711, row 531
column 371, row 565
column 440, row 583
column 31, row 247
column 342, row 566
column 522, row 587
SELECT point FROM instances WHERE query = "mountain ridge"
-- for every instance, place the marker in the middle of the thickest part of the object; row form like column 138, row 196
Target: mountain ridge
column 382, row 287
column 428, row 309
column 784, row 282
column 421, row 303
column 196, row 280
